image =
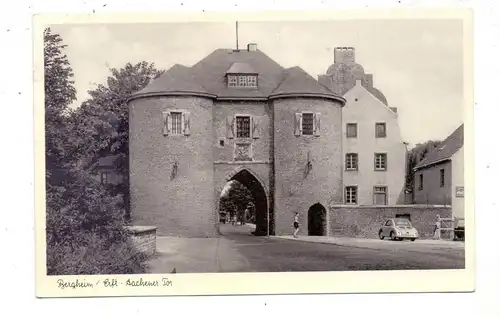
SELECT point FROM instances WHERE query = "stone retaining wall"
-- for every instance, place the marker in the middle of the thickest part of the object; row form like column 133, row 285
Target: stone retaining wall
column 143, row 238
column 365, row 221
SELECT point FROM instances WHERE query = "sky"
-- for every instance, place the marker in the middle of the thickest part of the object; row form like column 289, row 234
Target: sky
column 417, row 64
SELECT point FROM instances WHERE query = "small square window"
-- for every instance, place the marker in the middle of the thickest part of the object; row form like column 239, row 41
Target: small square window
column 232, row 80
column 307, row 123
column 252, row 81
column 352, row 130
column 380, row 161
column 380, row 130
column 351, row 195
column 221, row 142
column 242, row 81
column 351, row 161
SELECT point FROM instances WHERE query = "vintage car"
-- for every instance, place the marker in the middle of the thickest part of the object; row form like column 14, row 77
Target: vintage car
column 398, row 229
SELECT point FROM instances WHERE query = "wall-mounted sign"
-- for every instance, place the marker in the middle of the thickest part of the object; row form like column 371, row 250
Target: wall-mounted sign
column 459, row 191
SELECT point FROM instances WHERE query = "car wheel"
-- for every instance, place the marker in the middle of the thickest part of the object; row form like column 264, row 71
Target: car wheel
column 412, row 239
column 381, row 235
column 392, row 236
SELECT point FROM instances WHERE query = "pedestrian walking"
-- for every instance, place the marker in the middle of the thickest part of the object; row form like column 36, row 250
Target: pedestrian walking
column 296, row 224
column 437, row 229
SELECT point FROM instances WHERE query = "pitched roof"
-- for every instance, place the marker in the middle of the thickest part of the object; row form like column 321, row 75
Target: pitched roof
column 211, row 72
column 298, row 82
column 178, row 79
column 448, row 147
column 241, row 68
column 208, row 78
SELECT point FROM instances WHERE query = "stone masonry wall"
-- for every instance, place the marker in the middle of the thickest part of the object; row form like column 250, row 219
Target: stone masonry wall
column 296, row 190
column 171, row 177
column 365, row 221
column 143, row 239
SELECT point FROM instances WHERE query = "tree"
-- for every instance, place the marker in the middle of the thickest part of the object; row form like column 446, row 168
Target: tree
column 237, row 198
column 85, row 231
column 59, row 94
column 101, row 122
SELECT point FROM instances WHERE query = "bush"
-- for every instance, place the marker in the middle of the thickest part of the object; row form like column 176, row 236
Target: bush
column 85, row 230
column 91, row 254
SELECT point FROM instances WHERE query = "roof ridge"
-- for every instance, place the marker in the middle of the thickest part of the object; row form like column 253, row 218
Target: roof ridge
column 440, row 153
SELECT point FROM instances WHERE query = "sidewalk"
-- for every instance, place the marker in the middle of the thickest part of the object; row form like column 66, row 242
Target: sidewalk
column 376, row 244
column 196, row 255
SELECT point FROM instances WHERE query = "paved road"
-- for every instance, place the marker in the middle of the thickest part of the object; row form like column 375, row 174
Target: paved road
column 275, row 255
column 236, row 250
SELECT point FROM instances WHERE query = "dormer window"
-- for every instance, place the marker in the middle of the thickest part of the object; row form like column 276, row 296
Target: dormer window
column 242, row 81
column 241, row 75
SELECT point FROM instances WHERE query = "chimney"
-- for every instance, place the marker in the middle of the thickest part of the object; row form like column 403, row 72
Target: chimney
column 394, row 109
column 344, row 55
column 252, row 47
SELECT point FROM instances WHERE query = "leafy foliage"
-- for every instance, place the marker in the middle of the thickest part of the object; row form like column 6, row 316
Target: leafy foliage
column 59, row 94
column 415, row 156
column 101, row 122
column 85, row 231
column 236, row 199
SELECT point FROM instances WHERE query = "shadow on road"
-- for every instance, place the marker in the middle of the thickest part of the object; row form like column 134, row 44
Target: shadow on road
column 228, row 230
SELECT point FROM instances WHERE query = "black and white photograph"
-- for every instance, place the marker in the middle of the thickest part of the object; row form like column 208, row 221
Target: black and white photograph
column 258, row 147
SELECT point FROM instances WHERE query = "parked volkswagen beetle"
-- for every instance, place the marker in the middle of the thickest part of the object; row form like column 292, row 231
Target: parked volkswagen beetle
column 398, row 229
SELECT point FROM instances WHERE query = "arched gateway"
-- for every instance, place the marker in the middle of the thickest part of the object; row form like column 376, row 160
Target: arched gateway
column 233, row 115
column 260, row 197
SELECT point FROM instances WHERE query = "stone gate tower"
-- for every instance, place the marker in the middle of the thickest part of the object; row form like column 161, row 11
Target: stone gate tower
column 234, row 115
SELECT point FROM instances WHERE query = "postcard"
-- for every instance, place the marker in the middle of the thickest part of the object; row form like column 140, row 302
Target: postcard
column 254, row 153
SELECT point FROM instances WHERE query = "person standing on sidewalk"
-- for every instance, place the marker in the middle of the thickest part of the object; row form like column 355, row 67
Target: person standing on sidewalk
column 296, row 224
column 437, row 229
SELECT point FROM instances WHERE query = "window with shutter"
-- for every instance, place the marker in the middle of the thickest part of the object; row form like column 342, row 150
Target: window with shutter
column 176, row 122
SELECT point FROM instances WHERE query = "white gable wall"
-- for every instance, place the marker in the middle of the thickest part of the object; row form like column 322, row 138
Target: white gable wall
column 365, row 109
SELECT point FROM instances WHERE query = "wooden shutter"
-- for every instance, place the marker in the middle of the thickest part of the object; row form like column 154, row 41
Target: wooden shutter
column 317, row 124
column 169, row 123
column 298, row 123
column 255, row 127
column 230, row 127
column 166, row 119
column 186, row 123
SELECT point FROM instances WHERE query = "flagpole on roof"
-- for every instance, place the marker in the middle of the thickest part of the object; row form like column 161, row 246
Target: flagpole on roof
column 237, row 44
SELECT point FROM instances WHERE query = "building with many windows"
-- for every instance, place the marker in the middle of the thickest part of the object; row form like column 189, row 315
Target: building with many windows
column 374, row 152
column 235, row 115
